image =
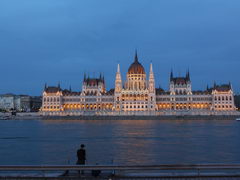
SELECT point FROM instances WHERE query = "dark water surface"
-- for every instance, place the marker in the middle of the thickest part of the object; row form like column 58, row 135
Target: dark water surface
column 36, row 142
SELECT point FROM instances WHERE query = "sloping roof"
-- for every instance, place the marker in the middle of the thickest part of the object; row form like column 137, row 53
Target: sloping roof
column 52, row 89
column 93, row 81
column 110, row 92
column 223, row 87
column 160, row 91
column 199, row 92
column 180, row 80
column 70, row 93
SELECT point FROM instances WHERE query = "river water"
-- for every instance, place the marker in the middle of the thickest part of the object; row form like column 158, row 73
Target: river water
column 146, row 142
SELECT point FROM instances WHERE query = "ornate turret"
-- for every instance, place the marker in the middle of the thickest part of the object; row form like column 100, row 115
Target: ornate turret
column 118, row 80
column 151, row 90
column 151, row 80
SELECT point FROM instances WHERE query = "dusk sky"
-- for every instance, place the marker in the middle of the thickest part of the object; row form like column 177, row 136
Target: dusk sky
column 58, row 40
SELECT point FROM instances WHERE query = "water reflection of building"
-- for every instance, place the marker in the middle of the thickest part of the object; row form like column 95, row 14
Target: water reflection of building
column 138, row 95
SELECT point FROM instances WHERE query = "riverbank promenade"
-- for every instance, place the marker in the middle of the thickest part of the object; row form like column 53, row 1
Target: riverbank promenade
column 110, row 172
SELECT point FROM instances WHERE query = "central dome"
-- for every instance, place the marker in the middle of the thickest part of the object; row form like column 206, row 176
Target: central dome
column 136, row 67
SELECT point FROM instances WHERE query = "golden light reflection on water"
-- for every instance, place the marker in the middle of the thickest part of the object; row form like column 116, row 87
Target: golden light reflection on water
column 123, row 141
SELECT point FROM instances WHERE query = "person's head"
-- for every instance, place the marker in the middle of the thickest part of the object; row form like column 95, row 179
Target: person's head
column 82, row 145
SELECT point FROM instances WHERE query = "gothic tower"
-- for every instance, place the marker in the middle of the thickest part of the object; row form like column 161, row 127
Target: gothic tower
column 118, row 89
column 152, row 90
column 118, row 80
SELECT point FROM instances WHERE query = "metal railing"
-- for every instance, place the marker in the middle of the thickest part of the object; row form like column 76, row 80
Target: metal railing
column 219, row 169
column 119, row 167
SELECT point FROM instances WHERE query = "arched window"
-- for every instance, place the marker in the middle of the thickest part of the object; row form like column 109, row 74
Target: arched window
column 136, row 85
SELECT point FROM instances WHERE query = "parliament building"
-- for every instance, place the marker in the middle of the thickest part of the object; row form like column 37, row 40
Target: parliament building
column 138, row 96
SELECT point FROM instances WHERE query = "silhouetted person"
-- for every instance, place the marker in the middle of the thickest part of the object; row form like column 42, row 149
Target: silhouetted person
column 81, row 155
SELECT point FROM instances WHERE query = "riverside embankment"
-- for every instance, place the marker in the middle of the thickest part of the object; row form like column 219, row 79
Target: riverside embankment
column 190, row 117
column 38, row 116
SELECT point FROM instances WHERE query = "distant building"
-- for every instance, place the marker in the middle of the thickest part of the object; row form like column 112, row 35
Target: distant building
column 237, row 101
column 138, row 96
column 20, row 103
column 7, row 102
column 35, row 103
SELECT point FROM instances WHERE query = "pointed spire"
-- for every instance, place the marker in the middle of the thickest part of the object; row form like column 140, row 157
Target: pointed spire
column 136, row 56
column 151, row 68
column 118, row 74
column 118, row 68
column 100, row 76
column 103, row 79
column 118, row 80
column 171, row 75
column 214, row 85
column 188, row 75
column 207, row 87
column 151, row 75
column 70, row 88
column 230, row 84
column 45, row 87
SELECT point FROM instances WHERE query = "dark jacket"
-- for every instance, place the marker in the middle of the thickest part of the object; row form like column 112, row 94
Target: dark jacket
column 81, row 154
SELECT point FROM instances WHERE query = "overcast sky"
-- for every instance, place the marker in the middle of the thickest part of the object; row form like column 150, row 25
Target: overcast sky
column 58, row 40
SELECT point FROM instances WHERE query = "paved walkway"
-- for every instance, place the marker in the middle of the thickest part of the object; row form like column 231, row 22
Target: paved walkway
column 116, row 178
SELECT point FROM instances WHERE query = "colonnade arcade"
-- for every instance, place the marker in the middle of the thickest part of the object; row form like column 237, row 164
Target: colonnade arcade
column 90, row 106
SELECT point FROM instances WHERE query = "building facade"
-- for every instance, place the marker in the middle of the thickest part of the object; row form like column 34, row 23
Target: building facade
column 20, row 103
column 138, row 96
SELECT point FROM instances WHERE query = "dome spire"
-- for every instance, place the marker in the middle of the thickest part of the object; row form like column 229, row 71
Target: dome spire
column 136, row 67
column 136, row 56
